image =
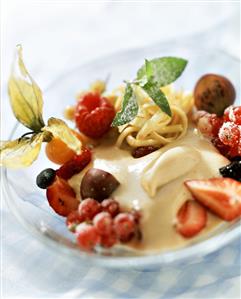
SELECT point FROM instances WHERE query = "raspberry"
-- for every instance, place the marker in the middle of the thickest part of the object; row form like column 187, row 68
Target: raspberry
column 233, row 114
column 111, row 206
column 87, row 236
column 109, row 240
column 229, row 134
column 94, row 115
column 103, row 222
column 143, row 151
column 73, row 219
column 125, row 226
column 88, row 208
column 75, row 165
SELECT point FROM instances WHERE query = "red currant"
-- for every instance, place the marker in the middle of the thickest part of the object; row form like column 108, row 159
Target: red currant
column 103, row 222
column 111, row 206
column 73, row 219
column 88, row 208
column 109, row 240
column 87, row 236
column 125, row 226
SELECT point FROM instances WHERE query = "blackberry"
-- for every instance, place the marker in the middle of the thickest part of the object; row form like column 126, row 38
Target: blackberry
column 45, row 178
column 232, row 170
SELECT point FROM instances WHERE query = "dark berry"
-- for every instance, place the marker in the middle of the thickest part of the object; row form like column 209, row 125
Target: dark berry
column 45, row 178
column 232, row 170
column 98, row 184
column 143, row 151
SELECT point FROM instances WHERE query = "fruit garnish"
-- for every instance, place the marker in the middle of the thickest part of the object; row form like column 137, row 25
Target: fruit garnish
column 155, row 74
column 27, row 104
column 94, row 115
column 75, row 165
column 98, row 184
column 221, row 195
column 111, row 206
column 45, row 178
column 232, row 170
column 61, row 197
column 109, row 240
column 143, row 151
column 125, row 227
column 87, row 236
column 73, row 219
column 191, row 219
column 233, row 114
column 214, row 93
column 20, row 152
column 88, row 208
column 229, row 134
column 103, row 222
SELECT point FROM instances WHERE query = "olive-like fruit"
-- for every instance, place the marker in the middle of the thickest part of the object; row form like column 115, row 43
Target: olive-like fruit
column 45, row 178
column 232, row 170
column 214, row 93
column 98, row 184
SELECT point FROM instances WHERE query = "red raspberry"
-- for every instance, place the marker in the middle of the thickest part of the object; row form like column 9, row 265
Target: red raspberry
column 125, row 226
column 109, row 240
column 229, row 134
column 143, row 151
column 87, row 236
column 73, row 219
column 75, row 165
column 103, row 222
column 88, row 208
column 111, row 206
column 233, row 114
column 94, row 115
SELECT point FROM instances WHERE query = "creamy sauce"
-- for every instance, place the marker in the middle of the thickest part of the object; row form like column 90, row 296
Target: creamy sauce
column 159, row 210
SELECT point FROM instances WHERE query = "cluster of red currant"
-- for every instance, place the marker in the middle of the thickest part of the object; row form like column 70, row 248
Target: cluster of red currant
column 102, row 224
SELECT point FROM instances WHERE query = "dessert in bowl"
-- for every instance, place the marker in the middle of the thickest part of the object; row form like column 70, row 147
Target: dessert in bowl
column 142, row 172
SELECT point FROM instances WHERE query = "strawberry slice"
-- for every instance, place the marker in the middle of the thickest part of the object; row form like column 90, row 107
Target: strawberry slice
column 191, row 219
column 221, row 195
column 61, row 197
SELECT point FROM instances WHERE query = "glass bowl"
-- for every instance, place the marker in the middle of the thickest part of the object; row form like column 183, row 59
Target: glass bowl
column 29, row 204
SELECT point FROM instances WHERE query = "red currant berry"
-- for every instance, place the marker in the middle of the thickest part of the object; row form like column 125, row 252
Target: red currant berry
column 125, row 226
column 111, row 206
column 87, row 236
column 109, row 240
column 103, row 222
column 216, row 123
column 73, row 219
column 88, row 208
column 229, row 134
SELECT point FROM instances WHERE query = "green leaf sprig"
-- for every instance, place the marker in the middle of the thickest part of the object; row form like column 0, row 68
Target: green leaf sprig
column 153, row 75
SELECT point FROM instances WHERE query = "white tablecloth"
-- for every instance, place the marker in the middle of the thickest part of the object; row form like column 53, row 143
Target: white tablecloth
column 57, row 36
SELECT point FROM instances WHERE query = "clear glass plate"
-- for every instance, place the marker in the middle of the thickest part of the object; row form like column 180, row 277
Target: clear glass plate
column 29, row 203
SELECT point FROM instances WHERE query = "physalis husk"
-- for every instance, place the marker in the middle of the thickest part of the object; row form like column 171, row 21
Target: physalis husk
column 27, row 105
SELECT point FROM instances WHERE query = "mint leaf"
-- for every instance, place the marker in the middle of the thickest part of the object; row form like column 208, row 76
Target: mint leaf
column 149, row 71
column 129, row 108
column 153, row 90
column 165, row 70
